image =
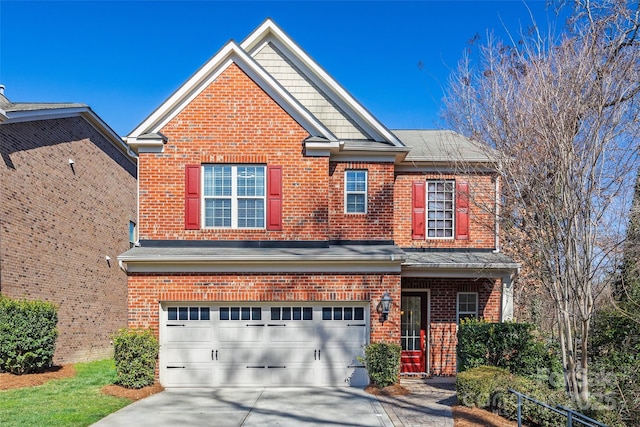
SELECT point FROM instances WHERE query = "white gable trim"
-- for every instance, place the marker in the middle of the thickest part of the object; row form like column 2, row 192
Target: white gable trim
column 270, row 32
column 230, row 53
column 66, row 112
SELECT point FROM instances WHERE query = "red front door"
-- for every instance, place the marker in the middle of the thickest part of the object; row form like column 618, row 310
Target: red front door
column 413, row 327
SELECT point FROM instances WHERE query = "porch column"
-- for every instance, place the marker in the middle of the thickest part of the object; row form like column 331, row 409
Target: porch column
column 506, row 312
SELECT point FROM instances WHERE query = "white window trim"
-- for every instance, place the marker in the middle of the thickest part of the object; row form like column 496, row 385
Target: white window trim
column 458, row 312
column 365, row 192
column 453, row 215
column 234, row 198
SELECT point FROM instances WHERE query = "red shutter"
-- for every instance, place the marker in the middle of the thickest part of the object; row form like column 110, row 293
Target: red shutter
column 462, row 211
column 418, row 210
column 192, row 197
column 274, row 197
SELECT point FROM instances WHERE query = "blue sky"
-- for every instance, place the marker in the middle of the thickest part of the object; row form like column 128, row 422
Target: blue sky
column 124, row 58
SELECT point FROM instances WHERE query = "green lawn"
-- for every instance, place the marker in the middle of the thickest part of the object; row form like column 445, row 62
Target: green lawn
column 75, row 401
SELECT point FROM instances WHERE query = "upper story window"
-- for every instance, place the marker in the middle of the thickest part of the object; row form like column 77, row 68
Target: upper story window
column 440, row 207
column 355, row 195
column 234, row 196
column 440, row 210
column 132, row 234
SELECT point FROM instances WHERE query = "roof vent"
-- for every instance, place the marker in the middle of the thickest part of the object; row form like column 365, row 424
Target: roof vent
column 1, row 89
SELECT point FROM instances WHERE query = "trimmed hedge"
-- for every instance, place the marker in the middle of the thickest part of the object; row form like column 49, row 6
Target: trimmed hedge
column 28, row 335
column 382, row 360
column 135, row 354
column 514, row 346
column 487, row 387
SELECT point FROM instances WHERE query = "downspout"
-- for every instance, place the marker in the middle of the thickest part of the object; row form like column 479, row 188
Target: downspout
column 496, row 219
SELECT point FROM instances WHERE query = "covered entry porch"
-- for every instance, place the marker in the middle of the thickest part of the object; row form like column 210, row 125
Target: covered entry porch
column 439, row 288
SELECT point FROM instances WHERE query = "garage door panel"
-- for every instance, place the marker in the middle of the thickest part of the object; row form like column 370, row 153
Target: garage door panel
column 242, row 355
column 190, row 334
column 241, row 375
column 290, row 334
column 243, row 333
column 187, row 355
column 292, row 374
column 287, row 356
column 189, row 376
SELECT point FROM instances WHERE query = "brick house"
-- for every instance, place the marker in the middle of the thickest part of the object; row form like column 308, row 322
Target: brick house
column 67, row 201
column 276, row 215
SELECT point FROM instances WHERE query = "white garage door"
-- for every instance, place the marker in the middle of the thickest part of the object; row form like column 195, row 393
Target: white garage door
column 272, row 345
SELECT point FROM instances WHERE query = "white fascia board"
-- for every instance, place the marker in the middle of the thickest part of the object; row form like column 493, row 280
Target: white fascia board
column 3, row 116
column 448, row 271
column 47, row 114
column 371, row 156
column 64, row 113
column 270, row 32
column 209, row 72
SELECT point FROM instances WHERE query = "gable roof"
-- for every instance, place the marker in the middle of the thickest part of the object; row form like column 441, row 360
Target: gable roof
column 16, row 112
column 268, row 33
column 322, row 139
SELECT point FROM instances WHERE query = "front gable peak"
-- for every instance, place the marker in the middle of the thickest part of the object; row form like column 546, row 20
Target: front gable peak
column 231, row 53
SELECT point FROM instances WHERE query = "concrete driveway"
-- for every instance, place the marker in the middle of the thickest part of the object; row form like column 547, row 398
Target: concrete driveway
column 253, row 407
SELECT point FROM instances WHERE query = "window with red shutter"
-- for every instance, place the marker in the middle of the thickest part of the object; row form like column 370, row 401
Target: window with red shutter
column 462, row 210
column 192, row 197
column 418, row 213
column 274, row 198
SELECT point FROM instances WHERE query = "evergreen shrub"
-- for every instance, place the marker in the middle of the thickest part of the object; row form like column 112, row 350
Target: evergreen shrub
column 135, row 354
column 382, row 360
column 28, row 335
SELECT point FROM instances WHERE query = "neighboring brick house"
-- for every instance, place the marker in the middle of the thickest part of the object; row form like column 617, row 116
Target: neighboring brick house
column 67, row 202
column 276, row 214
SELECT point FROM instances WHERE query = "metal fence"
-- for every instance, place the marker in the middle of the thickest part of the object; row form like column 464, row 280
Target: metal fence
column 571, row 415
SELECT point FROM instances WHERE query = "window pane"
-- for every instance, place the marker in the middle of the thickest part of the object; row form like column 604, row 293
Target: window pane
column 286, row 313
column 173, row 313
column 256, row 313
column 440, row 208
column 326, row 313
column 307, row 313
column 235, row 313
column 224, row 313
column 246, row 313
column 250, row 213
column 217, row 213
column 355, row 203
column 297, row 313
column 348, row 313
column 250, row 181
column 204, row 313
column 275, row 313
column 183, row 313
column 194, row 313
column 358, row 313
column 337, row 313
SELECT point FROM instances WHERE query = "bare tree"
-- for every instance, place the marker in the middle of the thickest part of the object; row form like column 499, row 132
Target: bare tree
column 562, row 112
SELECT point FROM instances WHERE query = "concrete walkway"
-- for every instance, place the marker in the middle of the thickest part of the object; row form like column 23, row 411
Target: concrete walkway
column 428, row 404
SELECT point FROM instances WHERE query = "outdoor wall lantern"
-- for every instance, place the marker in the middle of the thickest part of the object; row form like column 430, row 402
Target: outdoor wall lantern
column 384, row 306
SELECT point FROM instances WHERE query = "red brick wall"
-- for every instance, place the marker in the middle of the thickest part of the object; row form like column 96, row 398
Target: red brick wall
column 377, row 223
column 482, row 215
column 57, row 226
column 233, row 121
column 145, row 292
column 443, row 311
